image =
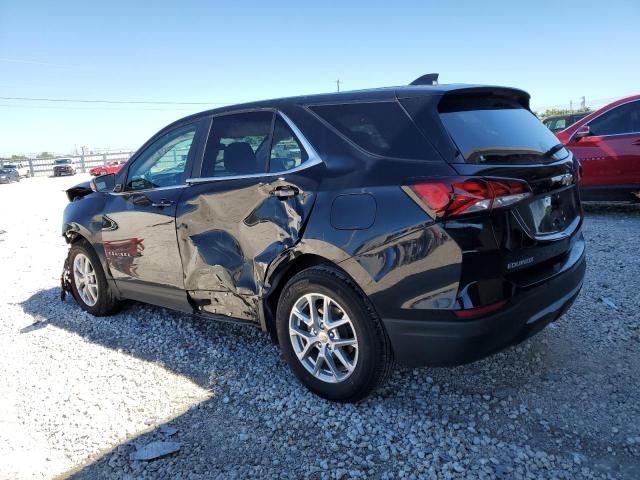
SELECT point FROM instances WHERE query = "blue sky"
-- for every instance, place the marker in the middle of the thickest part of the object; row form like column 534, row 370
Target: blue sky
column 229, row 52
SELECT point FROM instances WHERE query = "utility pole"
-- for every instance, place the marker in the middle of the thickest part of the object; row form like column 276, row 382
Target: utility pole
column 338, row 84
column 571, row 106
column 583, row 104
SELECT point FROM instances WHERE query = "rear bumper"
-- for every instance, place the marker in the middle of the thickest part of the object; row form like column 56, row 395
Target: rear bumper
column 455, row 342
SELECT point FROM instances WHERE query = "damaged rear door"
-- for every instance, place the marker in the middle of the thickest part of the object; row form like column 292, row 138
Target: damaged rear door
column 249, row 203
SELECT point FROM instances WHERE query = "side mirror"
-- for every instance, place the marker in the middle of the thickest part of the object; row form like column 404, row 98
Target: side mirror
column 104, row 183
column 583, row 131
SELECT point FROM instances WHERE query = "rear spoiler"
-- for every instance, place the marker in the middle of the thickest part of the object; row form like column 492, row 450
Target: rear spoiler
column 482, row 98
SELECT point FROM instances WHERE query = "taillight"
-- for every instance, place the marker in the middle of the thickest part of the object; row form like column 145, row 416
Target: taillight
column 460, row 196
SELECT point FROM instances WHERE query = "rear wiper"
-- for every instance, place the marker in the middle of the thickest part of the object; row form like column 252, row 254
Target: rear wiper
column 554, row 149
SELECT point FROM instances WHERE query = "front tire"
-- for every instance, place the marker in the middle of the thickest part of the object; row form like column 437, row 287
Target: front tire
column 89, row 284
column 331, row 337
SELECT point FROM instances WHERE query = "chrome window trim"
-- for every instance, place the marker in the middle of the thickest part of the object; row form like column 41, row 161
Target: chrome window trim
column 313, row 160
column 146, row 190
column 603, row 113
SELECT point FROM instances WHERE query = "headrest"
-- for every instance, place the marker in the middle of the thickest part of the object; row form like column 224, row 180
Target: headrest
column 240, row 159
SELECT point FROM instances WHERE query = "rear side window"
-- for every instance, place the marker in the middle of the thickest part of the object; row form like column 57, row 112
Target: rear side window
column 382, row 128
column 500, row 134
column 617, row 121
column 238, row 144
column 286, row 150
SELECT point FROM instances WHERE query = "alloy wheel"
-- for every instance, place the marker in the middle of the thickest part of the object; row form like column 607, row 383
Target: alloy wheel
column 85, row 279
column 323, row 337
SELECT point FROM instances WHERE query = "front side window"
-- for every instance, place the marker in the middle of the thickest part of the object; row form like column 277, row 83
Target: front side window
column 164, row 162
column 382, row 128
column 286, row 150
column 619, row 120
column 238, row 144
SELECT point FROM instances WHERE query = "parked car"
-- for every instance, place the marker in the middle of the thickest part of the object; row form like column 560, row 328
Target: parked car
column 8, row 175
column 418, row 225
column 607, row 144
column 22, row 168
column 111, row 167
column 63, row 166
column 560, row 122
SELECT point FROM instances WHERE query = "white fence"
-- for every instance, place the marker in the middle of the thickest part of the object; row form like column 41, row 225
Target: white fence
column 43, row 167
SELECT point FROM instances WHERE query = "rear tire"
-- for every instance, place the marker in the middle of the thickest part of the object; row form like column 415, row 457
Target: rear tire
column 344, row 363
column 89, row 284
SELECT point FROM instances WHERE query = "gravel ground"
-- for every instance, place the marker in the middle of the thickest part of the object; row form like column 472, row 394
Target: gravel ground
column 80, row 395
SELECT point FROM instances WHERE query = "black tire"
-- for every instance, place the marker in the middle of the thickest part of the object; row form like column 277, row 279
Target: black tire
column 375, row 356
column 107, row 303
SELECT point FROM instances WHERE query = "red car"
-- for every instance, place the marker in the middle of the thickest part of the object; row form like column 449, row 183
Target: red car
column 111, row 167
column 607, row 144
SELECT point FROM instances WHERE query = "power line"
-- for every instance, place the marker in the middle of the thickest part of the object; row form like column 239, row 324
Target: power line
column 126, row 102
column 116, row 108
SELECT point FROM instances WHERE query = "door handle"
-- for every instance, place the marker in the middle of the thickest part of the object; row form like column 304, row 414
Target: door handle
column 162, row 203
column 285, row 191
column 636, row 142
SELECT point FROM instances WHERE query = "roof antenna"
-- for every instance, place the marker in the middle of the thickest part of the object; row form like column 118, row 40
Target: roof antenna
column 428, row 79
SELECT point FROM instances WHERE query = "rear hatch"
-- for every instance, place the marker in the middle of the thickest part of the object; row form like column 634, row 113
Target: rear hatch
column 494, row 136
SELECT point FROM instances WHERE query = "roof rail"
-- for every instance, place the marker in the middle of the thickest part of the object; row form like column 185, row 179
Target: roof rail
column 428, row 79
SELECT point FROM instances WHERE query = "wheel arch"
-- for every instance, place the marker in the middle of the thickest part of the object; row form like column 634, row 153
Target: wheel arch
column 74, row 232
column 286, row 268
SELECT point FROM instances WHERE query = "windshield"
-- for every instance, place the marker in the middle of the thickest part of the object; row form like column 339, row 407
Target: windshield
column 9, row 166
column 64, row 161
column 501, row 136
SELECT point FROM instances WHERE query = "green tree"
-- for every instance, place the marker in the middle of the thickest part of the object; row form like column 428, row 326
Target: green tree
column 552, row 112
column 18, row 157
column 45, row 155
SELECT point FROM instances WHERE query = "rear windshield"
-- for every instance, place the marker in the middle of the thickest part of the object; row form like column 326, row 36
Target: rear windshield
column 62, row 162
column 501, row 136
column 382, row 128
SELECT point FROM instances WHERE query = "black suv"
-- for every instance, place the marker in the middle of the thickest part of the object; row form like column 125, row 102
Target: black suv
column 417, row 225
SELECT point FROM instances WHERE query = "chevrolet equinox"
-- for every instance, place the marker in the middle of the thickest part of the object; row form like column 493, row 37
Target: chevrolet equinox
column 416, row 225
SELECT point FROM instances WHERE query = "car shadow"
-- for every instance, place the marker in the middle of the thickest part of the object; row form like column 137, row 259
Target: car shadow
column 256, row 400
